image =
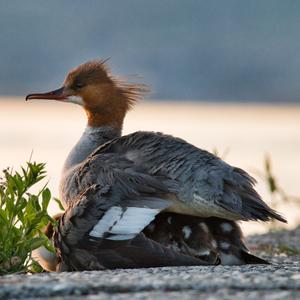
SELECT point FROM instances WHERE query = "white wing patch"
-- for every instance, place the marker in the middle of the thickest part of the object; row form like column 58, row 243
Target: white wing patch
column 112, row 216
column 123, row 223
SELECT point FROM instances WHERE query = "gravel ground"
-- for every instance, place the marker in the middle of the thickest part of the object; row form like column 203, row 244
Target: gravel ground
column 280, row 280
column 278, row 242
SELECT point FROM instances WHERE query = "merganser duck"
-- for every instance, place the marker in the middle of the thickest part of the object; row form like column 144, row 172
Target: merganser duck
column 115, row 188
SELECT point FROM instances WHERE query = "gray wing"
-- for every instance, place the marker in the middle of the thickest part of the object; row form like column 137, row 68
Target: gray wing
column 125, row 198
column 93, row 234
column 206, row 183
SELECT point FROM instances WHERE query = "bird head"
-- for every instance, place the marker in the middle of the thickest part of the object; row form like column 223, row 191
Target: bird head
column 104, row 98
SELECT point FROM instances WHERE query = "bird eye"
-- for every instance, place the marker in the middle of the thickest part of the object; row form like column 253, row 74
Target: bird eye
column 78, row 85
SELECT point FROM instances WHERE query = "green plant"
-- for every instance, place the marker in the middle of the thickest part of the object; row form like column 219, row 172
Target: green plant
column 277, row 193
column 23, row 214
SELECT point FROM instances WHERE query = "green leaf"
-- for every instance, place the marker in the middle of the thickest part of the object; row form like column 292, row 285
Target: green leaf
column 35, row 267
column 46, row 196
column 3, row 216
column 59, row 204
column 36, row 242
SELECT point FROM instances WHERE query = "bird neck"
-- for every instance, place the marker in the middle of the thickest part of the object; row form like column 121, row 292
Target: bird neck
column 106, row 109
column 106, row 118
column 91, row 139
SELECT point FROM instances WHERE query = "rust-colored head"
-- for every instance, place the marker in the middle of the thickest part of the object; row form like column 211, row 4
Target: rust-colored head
column 104, row 98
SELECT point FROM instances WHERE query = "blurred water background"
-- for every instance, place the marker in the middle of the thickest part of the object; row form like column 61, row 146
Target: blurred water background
column 198, row 50
column 224, row 75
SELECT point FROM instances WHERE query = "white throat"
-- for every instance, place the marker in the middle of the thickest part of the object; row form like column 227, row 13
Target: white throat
column 75, row 99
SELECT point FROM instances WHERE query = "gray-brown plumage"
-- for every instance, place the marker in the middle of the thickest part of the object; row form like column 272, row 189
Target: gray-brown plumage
column 135, row 178
column 209, row 241
column 78, row 250
column 207, row 186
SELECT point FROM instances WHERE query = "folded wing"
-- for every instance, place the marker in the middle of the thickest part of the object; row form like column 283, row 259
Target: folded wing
column 102, row 226
column 206, row 184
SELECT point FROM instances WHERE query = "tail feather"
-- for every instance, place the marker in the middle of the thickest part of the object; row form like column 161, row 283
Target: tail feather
column 252, row 259
column 251, row 206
